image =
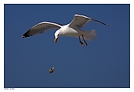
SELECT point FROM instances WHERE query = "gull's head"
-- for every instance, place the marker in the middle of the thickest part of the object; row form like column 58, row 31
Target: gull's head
column 57, row 35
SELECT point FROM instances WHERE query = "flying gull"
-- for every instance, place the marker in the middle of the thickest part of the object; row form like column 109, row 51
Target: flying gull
column 71, row 29
column 51, row 70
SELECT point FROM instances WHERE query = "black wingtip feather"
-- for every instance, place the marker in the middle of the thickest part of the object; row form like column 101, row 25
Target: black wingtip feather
column 26, row 34
column 23, row 36
column 100, row 22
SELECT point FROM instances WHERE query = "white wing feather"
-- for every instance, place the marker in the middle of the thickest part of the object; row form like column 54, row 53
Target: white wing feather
column 80, row 21
column 40, row 28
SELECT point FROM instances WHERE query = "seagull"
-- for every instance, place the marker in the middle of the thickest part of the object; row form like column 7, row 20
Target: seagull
column 51, row 70
column 73, row 29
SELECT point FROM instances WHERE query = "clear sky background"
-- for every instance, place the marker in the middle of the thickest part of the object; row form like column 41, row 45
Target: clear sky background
column 103, row 63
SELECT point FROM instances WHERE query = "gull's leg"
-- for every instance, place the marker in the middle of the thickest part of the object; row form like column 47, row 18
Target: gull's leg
column 81, row 42
column 84, row 40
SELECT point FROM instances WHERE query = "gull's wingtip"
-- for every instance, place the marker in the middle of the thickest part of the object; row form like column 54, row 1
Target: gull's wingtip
column 100, row 22
column 23, row 36
column 107, row 25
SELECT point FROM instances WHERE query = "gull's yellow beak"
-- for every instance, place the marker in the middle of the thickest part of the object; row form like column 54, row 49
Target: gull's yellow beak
column 56, row 39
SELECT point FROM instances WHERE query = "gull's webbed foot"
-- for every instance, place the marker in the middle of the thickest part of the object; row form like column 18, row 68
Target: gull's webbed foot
column 82, row 44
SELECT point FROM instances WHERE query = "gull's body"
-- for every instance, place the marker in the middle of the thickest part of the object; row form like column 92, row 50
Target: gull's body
column 71, row 29
column 68, row 31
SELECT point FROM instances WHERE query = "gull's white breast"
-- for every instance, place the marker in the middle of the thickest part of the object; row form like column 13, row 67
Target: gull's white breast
column 68, row 31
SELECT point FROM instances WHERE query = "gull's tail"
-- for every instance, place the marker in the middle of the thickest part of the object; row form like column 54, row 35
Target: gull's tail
column 89, row 35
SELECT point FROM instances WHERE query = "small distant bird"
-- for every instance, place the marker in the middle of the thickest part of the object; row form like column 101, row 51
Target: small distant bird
column 71, row 29
column 51, row 70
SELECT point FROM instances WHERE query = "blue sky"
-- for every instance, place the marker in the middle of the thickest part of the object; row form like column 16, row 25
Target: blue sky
column 103, row 63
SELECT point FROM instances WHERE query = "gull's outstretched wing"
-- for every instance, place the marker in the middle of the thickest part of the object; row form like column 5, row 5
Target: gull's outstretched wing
column 40, row 28
column 80, row 20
